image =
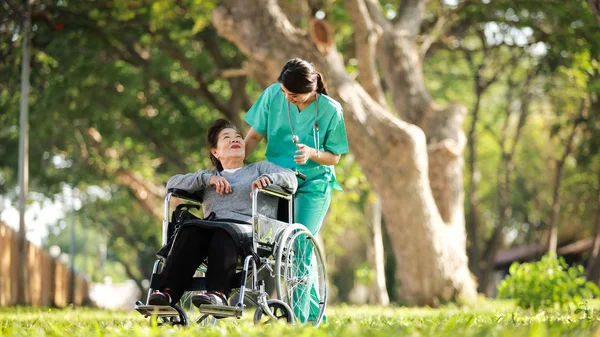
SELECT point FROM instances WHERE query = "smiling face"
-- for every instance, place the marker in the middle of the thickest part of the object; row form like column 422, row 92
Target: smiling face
column 230, row 145
column 295, row 98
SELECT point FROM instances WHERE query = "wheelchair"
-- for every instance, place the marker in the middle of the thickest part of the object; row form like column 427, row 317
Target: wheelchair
column 279, row 249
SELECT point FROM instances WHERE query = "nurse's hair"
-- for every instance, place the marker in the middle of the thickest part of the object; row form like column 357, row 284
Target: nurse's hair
column 300, row 77
column 213, row 139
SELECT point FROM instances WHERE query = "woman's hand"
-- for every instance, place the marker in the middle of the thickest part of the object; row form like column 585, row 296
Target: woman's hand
column 260, row 182
column 221, row 184
column 303, row 154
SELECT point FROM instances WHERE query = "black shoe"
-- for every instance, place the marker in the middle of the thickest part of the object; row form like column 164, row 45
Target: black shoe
column 211, row 297
column 158, row 298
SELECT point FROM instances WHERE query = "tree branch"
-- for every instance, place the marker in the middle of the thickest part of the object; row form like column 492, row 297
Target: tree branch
column 234, row 72
column 435, row 34
column 236, row 77
column 164, row 150
column 366, row 36
column 148, row 194
column 173, row 51
column 508, row 159
column 374, row 8
column 129, row 271
column 410, row 15
column 297, row 12
column 446, row 19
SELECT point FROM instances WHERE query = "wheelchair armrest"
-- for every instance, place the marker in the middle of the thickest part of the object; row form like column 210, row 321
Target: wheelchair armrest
column 185, row 195
column 277, row 191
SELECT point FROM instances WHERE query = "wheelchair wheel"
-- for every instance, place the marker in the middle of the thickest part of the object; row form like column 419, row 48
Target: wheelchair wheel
column 279, row 309
column 175, row 321
column 300, row 275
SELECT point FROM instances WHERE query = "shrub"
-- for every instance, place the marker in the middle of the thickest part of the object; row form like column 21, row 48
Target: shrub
column 548, row 283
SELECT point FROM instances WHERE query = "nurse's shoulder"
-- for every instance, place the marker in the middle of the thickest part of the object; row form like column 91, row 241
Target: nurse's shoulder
column 332, row 105
column 274, row 89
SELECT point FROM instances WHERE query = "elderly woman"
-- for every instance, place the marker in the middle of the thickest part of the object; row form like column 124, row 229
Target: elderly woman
column 226, row 194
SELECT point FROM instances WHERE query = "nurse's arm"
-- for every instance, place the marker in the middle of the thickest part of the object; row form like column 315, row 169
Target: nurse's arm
column 325, row 157
column 252, row 139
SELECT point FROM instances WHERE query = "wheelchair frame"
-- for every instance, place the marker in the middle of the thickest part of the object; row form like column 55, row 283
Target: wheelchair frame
column 176, row 315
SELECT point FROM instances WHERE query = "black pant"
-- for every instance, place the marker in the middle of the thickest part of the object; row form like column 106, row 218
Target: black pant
column 191, row 247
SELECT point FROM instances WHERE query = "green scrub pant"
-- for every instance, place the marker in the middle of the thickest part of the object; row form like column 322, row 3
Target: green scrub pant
column 311, row 203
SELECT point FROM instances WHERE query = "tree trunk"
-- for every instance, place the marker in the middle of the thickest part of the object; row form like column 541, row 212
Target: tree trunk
column 473, row 231
column 474, row 237
column 594, row 260
column 427, row 228
column 552, row 243
column 555, row 210
column 22, row 277
column 379, row 293
column 595, row 7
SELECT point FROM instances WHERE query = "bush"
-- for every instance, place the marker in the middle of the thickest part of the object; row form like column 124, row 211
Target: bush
column 548, row 283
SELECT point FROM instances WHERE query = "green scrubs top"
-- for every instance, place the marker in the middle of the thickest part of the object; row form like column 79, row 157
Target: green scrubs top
column 269, row 117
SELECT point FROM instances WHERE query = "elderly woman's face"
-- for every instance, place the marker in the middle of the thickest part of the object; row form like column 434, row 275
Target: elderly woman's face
column 230, row 144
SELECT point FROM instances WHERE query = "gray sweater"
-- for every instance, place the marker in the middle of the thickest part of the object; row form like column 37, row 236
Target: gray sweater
column 237, row 204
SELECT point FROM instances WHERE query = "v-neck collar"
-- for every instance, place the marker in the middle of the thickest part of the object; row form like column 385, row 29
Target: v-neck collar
column 316, row 100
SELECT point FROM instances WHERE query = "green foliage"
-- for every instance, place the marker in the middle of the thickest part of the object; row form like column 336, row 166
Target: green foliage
column 547, row 283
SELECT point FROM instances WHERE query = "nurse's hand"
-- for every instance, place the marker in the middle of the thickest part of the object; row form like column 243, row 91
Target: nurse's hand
column 221, row 184
column 303, row 154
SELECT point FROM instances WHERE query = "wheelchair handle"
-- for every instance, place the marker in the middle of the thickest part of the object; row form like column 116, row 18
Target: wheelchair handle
column 300, row 175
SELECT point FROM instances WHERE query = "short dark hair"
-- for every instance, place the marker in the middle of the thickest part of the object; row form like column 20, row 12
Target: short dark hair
column 213, row 138
column 300, row 77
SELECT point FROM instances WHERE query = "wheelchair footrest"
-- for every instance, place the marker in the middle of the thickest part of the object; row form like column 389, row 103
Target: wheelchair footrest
column 156, row 310
column 221, row 310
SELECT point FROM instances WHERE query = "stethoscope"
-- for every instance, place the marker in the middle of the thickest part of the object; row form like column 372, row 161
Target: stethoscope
column 316, row 134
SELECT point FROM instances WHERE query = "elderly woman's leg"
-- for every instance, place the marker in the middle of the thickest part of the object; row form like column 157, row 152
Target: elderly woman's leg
column 190, row 248
column 222, row 260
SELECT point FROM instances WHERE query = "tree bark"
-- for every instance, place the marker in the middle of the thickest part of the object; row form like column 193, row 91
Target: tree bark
column 432, row 263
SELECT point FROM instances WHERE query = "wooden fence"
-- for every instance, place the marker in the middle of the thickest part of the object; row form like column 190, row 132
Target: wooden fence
column 47, row 278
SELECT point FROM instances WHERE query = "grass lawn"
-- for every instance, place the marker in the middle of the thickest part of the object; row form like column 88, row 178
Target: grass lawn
column 488, row 318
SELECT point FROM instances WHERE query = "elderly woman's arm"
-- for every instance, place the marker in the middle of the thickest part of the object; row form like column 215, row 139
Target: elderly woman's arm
column 278, row 175
column 191, row 182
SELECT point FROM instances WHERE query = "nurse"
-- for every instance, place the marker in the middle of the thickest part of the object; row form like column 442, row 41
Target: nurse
column 305, row 131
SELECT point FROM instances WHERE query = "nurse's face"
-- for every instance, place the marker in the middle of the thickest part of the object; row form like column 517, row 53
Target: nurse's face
column 295, row 98
column 230, row 145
